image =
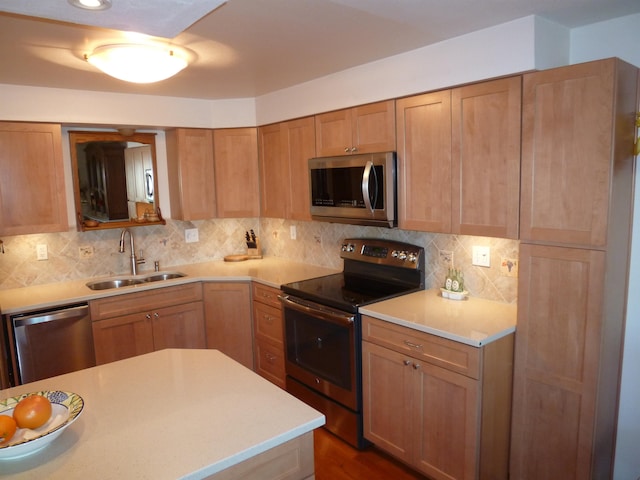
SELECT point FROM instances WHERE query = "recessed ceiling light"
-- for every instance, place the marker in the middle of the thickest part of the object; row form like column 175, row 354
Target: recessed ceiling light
column 91, row 4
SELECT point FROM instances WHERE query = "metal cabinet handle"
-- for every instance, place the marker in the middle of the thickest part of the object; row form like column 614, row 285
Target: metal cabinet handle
column 407, row 362
column 412, row 345
column 416, row 366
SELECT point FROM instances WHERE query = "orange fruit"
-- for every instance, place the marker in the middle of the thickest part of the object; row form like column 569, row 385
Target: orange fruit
column 7, row 428
column 32, row 411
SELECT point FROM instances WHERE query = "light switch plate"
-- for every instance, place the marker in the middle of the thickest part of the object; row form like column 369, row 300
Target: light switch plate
column 41, row 251
column 481, row 256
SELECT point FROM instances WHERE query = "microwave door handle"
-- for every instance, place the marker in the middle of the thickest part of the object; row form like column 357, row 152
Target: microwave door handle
column 365, row 185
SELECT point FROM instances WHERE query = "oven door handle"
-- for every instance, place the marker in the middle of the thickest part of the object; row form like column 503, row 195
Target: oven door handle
column 318, row 311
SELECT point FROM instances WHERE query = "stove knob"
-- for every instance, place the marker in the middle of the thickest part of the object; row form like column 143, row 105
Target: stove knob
column 413, row 258
column 394, row 254
column 402, row 255
column 348, row 247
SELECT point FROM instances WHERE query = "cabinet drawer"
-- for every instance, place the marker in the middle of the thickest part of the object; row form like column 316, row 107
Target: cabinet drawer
column 269, row 361
column 268, row 323
column 448, row 354
column 142, row 301
column 265, row 294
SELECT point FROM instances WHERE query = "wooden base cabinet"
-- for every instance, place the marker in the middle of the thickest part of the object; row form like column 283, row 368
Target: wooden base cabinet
column 576, row 214
column 438, row 405
column 268, row 329
column 227, row 307
column 136, row 323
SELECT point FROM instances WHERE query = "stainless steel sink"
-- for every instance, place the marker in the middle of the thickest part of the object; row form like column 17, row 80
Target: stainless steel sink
column 107, row 284
column 158, row 277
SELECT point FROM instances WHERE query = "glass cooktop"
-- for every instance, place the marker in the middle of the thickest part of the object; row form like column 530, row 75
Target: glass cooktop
column 345, row 292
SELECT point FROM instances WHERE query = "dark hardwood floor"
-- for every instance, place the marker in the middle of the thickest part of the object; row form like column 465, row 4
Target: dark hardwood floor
column 337, row 460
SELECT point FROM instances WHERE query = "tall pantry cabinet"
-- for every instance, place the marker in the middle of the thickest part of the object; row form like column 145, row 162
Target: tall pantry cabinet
column 578, row 130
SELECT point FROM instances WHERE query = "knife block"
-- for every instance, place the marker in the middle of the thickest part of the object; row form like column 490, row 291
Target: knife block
column 255, row 252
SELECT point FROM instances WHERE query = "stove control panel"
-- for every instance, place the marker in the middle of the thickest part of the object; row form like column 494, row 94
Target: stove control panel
column 385, row 252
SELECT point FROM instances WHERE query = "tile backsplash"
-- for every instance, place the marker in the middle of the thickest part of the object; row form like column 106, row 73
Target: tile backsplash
column 75, row 255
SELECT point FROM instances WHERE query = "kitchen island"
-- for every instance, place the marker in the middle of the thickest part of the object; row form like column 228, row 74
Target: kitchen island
column 174, row 414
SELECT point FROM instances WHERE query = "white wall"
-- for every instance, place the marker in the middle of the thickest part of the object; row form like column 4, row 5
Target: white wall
column 505, row 49
column 59, row 105
column 621, row 38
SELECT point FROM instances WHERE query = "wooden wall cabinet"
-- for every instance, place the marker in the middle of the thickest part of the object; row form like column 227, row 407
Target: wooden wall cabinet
column 459, row 159
column 32, row 191
column 136, row 323
column 236, row 167
column 285, row 149
column 364, row 129
column 190, row 165
column 227, row 307
column 268, row 330
column 576, row 214
column 440, row 406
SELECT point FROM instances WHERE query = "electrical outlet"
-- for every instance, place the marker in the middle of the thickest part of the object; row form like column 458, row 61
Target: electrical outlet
column 86, row 251
column 446, row 257
column 481, row 256
column 292, row 232
column 41, row 251
column 191, row 235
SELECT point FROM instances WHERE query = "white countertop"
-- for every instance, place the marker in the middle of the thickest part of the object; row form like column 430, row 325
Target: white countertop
column 271, row 271
column 170, row 414
column 472, row 321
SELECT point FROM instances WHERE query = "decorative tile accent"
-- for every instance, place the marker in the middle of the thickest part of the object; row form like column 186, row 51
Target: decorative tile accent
column 317, row 243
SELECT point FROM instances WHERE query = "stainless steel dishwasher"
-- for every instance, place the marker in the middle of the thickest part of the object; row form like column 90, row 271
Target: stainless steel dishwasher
column 50, row 342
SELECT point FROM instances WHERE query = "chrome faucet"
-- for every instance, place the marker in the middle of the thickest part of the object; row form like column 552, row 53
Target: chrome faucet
column 134, row 260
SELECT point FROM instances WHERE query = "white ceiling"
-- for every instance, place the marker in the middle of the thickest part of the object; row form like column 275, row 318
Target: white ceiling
column 245, row 48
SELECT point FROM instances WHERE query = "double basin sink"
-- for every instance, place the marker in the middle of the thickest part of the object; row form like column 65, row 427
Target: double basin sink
column 127, row 281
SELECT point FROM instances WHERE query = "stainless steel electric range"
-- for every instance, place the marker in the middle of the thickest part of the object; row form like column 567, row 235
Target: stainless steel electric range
column 323, row 326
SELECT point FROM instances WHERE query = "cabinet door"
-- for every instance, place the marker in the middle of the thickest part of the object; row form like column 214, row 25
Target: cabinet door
column 236, row 165
column 32, row 191
column 364, row 129
column 228, row 320
column 567, row 124
column 274, row 172
column 373, row 127
column 558, row 341
column 486, row 158
column 387, row 400
column 191, row 173
column 446, row 425
column 333, row 133
column 299, row 143
column 180, row 326
column 424, row 162
column 122, row 337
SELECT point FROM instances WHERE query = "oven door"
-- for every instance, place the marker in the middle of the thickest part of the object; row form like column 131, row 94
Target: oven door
column 321, row 349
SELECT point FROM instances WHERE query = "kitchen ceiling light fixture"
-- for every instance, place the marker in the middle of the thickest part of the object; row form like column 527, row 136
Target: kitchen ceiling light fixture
column 138, row 63
column 91, row 4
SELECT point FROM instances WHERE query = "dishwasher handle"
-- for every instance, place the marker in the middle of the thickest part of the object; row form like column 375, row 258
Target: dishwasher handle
column 51, row 316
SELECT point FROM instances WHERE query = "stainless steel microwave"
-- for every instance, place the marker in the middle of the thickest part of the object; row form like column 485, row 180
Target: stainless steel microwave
column 357, row 189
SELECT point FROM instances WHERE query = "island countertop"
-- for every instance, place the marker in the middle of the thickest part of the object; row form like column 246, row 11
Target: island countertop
column 170, row 414
column 473, row 321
